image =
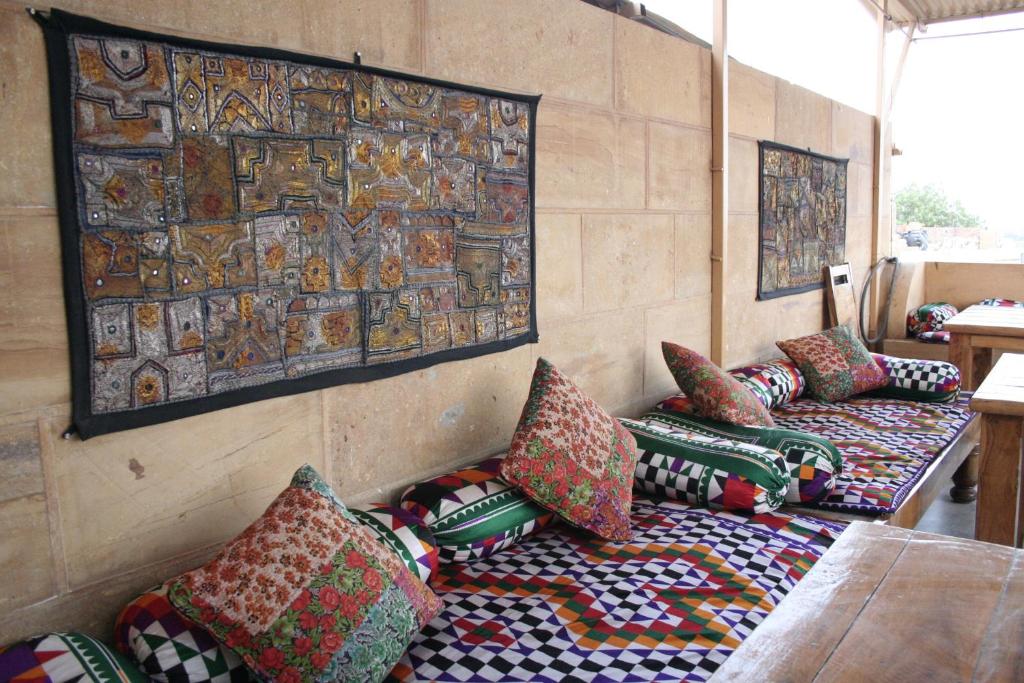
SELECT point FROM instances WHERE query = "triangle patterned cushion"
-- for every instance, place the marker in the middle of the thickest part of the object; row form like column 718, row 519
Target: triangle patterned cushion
column 814, row 463
column 930, row 381
column 714, row 392
column 472, row 513
column 405, row 533
column 306, row 593
column 707, row 471
column 171, row 648
column 63, row 658
column 571, row 457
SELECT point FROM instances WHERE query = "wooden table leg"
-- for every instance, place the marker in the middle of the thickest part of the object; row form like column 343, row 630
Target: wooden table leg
column 965, row 479
column 960, row 355
column 981, row 364
column 999, row 479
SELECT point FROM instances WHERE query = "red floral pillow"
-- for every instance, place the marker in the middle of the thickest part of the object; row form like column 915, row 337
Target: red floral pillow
column 715, row 393
column 307, row 593
column 835, row 364
column 572, row 458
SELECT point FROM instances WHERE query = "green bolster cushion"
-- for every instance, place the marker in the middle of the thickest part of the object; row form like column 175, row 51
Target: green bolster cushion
column 473, row 513
column 813, row 462
column 65, row 657
column 707, row 471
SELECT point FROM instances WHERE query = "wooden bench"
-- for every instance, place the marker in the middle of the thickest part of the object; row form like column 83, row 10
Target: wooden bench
column 957, row 462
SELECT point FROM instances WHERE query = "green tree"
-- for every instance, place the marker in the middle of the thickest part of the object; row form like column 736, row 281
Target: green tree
column 930, row 206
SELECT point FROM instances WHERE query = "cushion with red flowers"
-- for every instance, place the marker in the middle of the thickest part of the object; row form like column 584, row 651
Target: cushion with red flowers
column 571, row 457
column 306, row 593
column 405, row 533
column 172, row 649
column 835, row 364
column 714, row 392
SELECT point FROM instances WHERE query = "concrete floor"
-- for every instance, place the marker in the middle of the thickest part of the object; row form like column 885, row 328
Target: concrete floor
column 949, row 518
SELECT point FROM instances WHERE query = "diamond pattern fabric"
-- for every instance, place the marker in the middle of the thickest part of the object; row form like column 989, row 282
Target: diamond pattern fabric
column 564, row 605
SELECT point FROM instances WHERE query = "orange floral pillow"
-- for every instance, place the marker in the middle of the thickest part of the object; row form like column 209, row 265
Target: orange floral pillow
column 571, row 457
column 715, row 393
column 835, row 364
column 307, row 592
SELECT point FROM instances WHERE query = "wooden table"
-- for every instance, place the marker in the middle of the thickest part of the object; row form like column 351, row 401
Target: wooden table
column 888, row 604
column 976, row 332
column 1000, row 400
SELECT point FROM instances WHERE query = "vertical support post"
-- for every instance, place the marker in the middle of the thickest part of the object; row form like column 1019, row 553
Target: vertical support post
column 878, row 194
column 719, row 179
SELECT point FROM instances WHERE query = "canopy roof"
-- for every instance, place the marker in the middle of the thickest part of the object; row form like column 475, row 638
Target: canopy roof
column 932, row 11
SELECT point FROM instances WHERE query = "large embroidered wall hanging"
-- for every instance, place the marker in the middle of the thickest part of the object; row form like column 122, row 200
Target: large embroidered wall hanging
column 240, row 223
column 803, row 219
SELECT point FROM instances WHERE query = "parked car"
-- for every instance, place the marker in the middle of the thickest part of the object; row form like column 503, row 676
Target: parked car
column 916, row 238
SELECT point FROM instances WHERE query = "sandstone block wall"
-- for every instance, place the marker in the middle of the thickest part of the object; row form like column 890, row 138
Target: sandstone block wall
column 623, row 237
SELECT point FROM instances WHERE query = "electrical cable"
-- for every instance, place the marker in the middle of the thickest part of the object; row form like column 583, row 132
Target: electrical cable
column 884, row 324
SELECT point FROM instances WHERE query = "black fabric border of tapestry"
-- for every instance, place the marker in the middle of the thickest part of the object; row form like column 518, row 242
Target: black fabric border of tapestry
column 761, row 145
column 57, row 26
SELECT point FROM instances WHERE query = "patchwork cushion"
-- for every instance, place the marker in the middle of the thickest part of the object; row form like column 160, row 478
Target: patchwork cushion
column 63, row 658
column 704, row 470
column 813, row 463
column 472, row 513
column 714, row 392
column 170, row 648
column 1005, row 303
column 835, row 363
column 918, row 380
column 934, row 337
column 307, row 593
column 775, row 383
column 929, row 318
column 405, row 533
column 571, row 457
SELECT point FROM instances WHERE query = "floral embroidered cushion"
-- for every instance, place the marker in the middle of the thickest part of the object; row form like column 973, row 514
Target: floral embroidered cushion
column 814, row 463
column 473, row 513
column 929, row 381
column 172, row 649
column 835, row 364
column 714, row 392
column 708, row 471
column 571, row 457
column 306, row 593
column 405, row 533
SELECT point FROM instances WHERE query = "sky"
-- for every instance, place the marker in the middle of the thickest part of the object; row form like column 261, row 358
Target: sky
column 959, row 111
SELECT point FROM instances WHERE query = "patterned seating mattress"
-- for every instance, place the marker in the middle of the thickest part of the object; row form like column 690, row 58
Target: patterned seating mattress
column 887, row 444
column 563, row 605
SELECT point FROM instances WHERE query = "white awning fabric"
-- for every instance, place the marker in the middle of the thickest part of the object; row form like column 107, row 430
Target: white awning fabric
column 933, row 11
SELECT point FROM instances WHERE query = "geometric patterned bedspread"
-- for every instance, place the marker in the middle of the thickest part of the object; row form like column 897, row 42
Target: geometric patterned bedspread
column 887, row 444
column 563, row 605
